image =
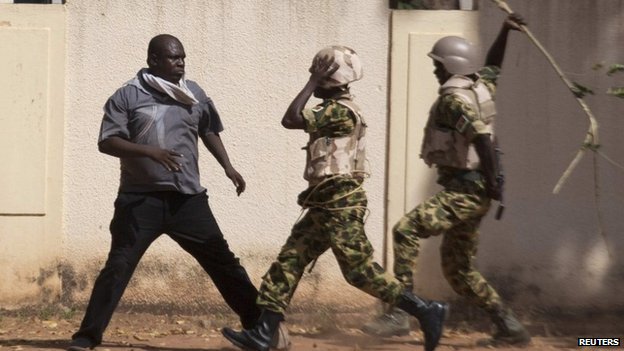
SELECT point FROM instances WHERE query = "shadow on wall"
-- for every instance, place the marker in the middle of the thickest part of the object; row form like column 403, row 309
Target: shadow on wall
column 549, row 246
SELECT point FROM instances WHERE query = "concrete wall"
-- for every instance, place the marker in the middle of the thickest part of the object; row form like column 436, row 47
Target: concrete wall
column 548, row 249
column 252, row 58
column 32, row 43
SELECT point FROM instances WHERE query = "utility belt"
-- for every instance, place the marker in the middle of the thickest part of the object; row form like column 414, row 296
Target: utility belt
column 334, row 192
column 461, row 180
column 358, row 176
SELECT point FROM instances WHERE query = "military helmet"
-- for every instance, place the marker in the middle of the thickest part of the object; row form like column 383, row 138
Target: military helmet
column 349, row 66
column 456, row 54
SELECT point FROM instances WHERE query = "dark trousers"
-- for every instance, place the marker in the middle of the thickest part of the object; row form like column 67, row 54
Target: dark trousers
column 139, row 219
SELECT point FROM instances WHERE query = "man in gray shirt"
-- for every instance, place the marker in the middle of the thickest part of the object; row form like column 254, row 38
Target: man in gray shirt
column 152, row 124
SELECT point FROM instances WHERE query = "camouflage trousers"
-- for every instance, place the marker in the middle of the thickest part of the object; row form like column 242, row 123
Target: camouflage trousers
column 456, row 215
column 320, row 229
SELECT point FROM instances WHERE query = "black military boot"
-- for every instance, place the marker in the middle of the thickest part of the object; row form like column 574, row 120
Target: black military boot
column 509, row 330
column 430, row 315
column 259, row 337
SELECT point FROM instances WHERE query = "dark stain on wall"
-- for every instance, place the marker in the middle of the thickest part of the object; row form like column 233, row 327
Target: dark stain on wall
column 71, row 282
column 176, row 285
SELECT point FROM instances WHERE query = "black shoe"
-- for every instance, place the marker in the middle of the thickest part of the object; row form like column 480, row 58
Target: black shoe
column 260, row 337
column 81, row 344
column 430, row 315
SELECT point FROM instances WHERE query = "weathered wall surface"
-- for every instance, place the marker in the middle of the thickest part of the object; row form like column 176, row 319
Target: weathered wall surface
column 548, row 249
column 252, row 58
column 32, row 43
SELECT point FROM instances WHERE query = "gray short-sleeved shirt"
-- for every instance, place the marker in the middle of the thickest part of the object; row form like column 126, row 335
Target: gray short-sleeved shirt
column 140, row 114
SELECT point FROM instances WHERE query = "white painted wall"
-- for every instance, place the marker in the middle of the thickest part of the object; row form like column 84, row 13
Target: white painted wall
column 32, row 42
column 252, row 58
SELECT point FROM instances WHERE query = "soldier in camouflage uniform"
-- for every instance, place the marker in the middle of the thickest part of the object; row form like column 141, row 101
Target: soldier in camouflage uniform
column 459, row 141
column 336, row 206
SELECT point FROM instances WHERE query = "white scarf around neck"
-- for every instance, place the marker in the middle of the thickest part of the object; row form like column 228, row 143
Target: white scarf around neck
column 180, row 93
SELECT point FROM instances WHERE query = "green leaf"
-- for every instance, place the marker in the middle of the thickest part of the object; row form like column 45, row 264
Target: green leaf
column 580, row 91
column 617, row 92
column 615, row 68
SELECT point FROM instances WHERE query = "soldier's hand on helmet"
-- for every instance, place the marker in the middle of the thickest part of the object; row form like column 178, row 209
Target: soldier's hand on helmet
column 514, row 21
column 322, row 67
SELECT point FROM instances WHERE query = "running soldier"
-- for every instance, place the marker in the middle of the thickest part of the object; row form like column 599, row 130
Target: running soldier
column 459, row 141
column 336, row 206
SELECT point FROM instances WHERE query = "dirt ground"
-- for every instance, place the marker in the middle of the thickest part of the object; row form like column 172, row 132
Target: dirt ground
column 141, row 331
